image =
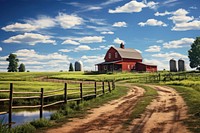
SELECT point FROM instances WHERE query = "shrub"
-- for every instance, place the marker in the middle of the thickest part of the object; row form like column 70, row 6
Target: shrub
column 25, row 128
column 56, row 116
column 41, row 123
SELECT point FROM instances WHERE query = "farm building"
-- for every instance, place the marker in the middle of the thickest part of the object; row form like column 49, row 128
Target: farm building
column 124, row 59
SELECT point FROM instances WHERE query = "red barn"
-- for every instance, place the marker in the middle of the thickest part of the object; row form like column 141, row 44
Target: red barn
column 123, row 59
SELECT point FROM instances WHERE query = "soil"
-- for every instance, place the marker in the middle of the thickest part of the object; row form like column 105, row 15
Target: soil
column 164, row 114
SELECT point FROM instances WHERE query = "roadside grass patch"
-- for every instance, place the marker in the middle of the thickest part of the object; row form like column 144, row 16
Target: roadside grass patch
column 25, row 128
column 192, row 98
column 39, row 123
column 141, row 105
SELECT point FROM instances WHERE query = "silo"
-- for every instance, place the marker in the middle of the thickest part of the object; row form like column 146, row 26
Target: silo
column 181, row 65
column 78, row 66
column 172, row 65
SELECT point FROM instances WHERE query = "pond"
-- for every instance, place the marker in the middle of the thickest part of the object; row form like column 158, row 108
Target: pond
column 21, row 117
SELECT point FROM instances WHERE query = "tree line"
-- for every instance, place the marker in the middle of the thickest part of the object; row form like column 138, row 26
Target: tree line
column 13, row 64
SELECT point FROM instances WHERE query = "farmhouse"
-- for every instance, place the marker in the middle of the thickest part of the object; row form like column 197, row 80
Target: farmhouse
column 124, row 59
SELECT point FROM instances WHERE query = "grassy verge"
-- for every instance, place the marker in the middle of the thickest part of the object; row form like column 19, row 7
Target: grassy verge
column 141, row 105
column 191, row 96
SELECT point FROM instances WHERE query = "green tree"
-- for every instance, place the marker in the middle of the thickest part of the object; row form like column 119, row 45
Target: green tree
column 194, row 54
column 13, row 63
column 22, row 68
column 71, row 67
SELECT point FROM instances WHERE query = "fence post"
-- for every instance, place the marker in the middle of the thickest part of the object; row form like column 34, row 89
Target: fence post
column 95, row 88
column 65, row 93
column 103, row 87
column 81, row 91
column 10, row 105
column 113, row 84
column 41, row 102
column 109, row 87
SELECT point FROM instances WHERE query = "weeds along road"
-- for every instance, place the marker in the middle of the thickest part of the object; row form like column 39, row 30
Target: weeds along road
column 164, row 114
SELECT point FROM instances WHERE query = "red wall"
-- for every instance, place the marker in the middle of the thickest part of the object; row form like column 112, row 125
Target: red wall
column 112, row 51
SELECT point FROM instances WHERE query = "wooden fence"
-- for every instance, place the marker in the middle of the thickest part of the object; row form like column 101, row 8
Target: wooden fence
column 98, row 90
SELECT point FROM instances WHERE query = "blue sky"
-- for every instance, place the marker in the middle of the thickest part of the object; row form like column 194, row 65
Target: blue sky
column 47, row 35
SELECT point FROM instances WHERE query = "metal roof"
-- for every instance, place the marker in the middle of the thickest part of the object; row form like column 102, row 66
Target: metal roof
column 111, row 62
column 128, row 53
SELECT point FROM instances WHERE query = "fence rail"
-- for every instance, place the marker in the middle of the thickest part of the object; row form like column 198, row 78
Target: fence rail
column 81, row 93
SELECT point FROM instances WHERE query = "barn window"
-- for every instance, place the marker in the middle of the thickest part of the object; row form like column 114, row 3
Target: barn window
column 109, row 55
column 116, row 55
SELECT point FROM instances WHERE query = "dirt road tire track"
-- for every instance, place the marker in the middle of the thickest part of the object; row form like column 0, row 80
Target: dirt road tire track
column 163, row 115
column 107, row 118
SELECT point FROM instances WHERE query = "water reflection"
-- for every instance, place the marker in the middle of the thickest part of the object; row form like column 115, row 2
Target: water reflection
column 25, row 116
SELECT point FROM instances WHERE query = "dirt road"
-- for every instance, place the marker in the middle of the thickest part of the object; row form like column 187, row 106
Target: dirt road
column 164, row 115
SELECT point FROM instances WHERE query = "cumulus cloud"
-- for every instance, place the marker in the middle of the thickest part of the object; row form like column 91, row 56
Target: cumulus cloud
column 118, row 41
column 162, row 14
column 91, row 60
column 19, row 27
column 30, row 38
column 68, row 21
column 133, row 6
column 64, row 50
column 154, row 48
column 70, row 42
column 82, row 48
column 39, row 62
column 120, row 24
column 181, row 21
column 168, row 56
column 91, row 39
column 152, row 22
column 1, row 49
column 107, row 32
column 183, row 42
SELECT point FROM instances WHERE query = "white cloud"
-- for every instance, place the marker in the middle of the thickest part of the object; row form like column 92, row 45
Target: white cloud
column 91, row 61
column 159, row 41
column 134, row 6
column 162, row 14
column 19, row 27
column 130, row 7
column 118, row 41
column 68, row 21
column 1, row 49
column 30, row 38
column 91, row 39
column 183, row 42
column 82, row 48
column 152, row 5
column 107, row 32
column 154, row 48
column 42, row 22
column 152, row 22
column 168, row 56
column 194, row 25
column 181, row 20
column 94, row 8
column 120, row 24
column 70, row 42
column 39, row 62
column 64, row 50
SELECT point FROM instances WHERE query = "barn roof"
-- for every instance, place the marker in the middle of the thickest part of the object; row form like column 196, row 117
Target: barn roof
column 128, row 53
